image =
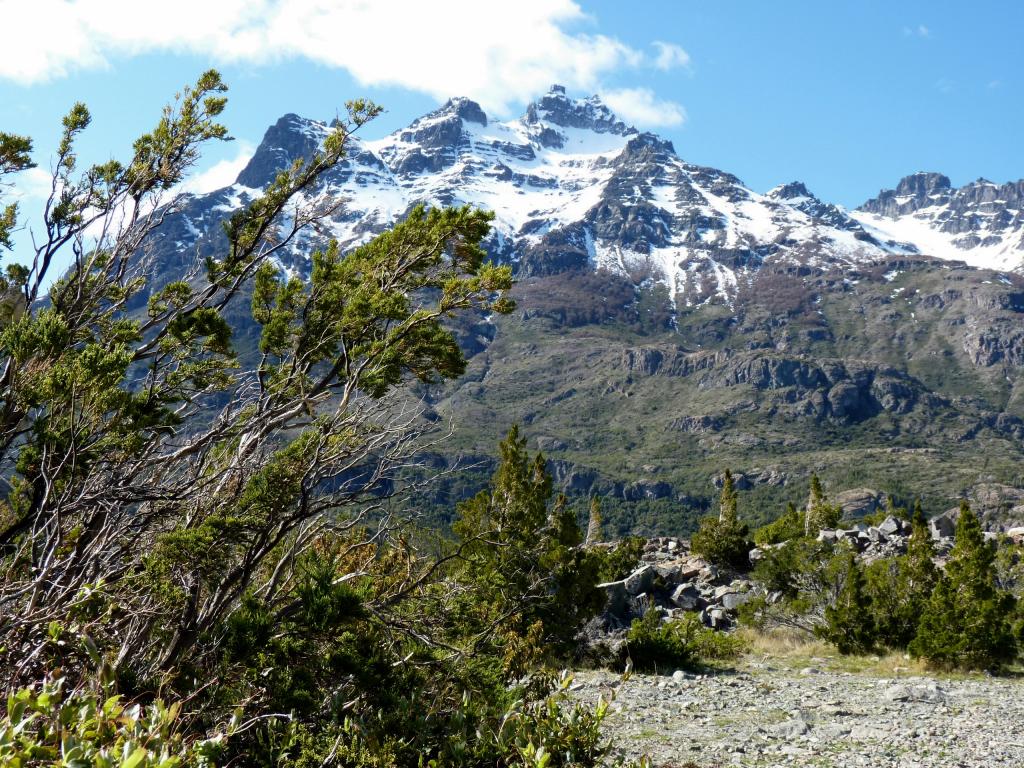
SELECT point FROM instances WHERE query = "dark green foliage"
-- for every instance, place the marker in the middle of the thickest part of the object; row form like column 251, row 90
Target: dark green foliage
column 15, row 155
column 620, row 560
column 723, row 540
column 967, row 622
column 849, row 623
column 900, row 587
column 787, row 526
column 806, row 578
column 784, row 569
column 819, row 513
column 683, row 643
column 521, row 551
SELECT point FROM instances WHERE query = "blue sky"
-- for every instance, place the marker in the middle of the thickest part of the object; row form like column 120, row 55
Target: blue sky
column 847, row 97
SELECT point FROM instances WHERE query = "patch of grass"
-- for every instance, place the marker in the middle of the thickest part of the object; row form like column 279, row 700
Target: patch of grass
column 796, row 650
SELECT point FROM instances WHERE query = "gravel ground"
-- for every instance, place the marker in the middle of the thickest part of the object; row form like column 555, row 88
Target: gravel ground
column 765, row 715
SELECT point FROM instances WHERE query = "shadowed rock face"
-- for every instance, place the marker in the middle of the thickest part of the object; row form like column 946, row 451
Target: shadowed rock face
column 980, row 214
column 589, row 114
column 286, row 141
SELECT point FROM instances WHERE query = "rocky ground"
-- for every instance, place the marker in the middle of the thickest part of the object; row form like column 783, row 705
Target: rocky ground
column 768, row 713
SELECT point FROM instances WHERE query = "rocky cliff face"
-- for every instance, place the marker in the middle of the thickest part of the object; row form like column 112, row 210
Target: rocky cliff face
column 981, row 223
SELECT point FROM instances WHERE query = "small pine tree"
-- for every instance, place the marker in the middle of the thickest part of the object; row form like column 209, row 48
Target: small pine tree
column 901, row 587
column 819, row 514
column 521, row 553
column 594, row 523
column 724, row 540
column 849, row 623
column 921, row 571
column 727, row 505
column 967, row 622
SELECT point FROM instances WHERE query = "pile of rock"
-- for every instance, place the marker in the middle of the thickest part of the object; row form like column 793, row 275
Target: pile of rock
column 873, row 542
column 672, row 580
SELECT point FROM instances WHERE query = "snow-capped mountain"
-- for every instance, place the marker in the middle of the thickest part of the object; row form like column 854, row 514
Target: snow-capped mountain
column 573, row 187
column 980, row 223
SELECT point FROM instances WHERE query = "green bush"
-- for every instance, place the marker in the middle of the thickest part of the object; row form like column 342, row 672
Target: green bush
column 849, row 623
column 899, row 588
column 50, row 725
column 808, row 577
column 621, row 560
column 681, row 643
column 784, row 528
column 967, row 623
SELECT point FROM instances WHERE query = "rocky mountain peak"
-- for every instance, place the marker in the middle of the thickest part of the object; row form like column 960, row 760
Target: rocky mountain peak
column 556, row 108
column 796, row 195
column 649, row 144
column 290, row 138
column 792, row 191
column 923, row 183
column 981, row 223
column 913, row 192
column 461, row 107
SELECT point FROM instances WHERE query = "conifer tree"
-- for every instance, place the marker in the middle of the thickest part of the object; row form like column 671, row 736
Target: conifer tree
column 921, row 571
column 967, row 622
column 901, row 587
column 723, row 540
column 594, row 522
column 849, row 624
column 727, row 500
column 520, row 551
column 819, row 514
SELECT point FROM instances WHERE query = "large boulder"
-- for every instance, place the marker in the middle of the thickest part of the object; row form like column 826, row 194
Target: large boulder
column 893, row 526
column 687, row 597
column 943, row 526
column 640, row 580
column 617, row 598
column 859, row 502
column 734, row 600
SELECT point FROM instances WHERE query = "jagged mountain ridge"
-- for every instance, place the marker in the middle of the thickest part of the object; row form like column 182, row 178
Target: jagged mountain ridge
column 981, row 223
column 573, row 187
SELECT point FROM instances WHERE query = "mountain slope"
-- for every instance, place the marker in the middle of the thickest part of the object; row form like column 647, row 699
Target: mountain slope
column 673, row 322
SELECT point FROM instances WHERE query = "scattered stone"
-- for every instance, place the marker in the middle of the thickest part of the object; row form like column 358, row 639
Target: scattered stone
column 765, row 717
column 929, row 693
column 790, row 729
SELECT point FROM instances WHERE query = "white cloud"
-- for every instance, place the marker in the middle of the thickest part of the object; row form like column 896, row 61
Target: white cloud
column 641, row 107
column 497, row 53
column 32, row 184
column 670, row 56
column 919, row 31
column 221, row 174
